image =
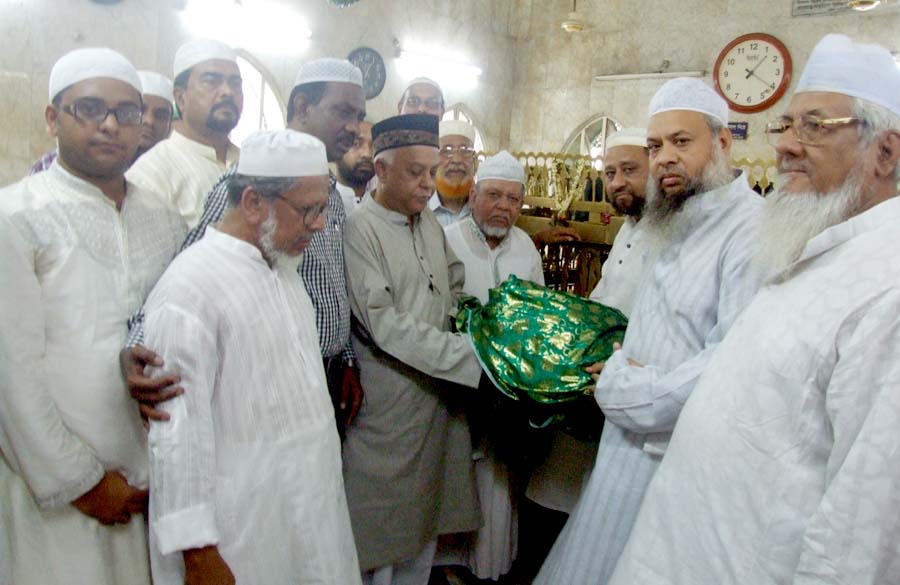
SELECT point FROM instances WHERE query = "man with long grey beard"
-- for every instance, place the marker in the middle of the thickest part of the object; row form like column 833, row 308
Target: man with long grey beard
column 703, row 219
column 784, row 467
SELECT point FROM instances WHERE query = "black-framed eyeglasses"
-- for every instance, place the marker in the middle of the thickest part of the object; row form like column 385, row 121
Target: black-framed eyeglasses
column 96, row 111
column 309, row 213
column 430, row 103
column 810, row 129
column 466, row 152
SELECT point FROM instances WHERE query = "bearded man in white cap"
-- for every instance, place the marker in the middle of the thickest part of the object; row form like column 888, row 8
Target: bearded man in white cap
column 456, row 172
column 246, row 476
column 705, row 221
column 209, row 96
column 156, row 92
column 784, row 467
column 81, row 247
column 625, row 173
column 408, row 458
column 327, row 102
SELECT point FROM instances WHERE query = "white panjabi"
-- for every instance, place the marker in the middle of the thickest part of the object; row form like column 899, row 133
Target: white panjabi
column 628, row 137
column 197, row 51
column 328, row 69
column 282, row 153
column 456, row 128
column 838, row 65
column 153, row 83
column 689, row 93
column 502, row 166
column 91, row 63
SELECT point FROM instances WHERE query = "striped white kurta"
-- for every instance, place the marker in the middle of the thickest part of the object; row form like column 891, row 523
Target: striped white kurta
column 695, row 289
column 250, row 459
column 182, row 171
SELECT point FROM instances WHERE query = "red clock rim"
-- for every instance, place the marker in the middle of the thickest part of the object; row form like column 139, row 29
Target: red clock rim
column 779, row 91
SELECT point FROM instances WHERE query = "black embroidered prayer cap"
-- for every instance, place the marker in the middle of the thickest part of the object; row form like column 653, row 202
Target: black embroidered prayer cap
column 405, row 130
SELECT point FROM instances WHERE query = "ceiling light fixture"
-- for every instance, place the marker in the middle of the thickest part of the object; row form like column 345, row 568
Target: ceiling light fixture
column 575, row 22
column 863, row 5
column 447, row 68
column 255, row 25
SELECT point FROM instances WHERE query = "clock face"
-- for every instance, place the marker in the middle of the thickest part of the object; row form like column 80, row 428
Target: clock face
column 372, row 66
column 753, row 72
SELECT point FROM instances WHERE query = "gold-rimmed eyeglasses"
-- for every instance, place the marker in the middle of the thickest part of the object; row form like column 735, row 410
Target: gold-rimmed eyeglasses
column 810, row 130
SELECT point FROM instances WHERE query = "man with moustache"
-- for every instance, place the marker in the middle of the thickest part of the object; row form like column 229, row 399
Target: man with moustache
column 156, row 93
column 422, row 96
column 327, row 102
column 408, row 457
column 784, row 466
column 355, row 169
column 210, row 97
column 625, row 170
column 456, row 173
column 246, row 476
column 80, row 247
column 704, row 218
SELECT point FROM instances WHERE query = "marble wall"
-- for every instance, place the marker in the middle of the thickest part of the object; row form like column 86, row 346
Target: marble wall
column 37, row 32
column 555, row 89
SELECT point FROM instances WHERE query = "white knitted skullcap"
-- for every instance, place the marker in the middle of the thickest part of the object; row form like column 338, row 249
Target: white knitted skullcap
column 155, row 84
column 329, row 69
column 199, row 50
column 91, row 63
column 457, row 128
column 503, row 166
column 628, row 137
column 689, row 93
column 282, row 153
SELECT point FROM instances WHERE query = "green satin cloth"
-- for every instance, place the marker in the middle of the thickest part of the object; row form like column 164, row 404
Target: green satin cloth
column 534, row 342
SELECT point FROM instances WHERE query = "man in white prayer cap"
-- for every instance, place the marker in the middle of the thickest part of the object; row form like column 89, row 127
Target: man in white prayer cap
column 209, row 96
column 422, row 96
column 327, row 101
column 156, row 92
column 456, row 172
column 246, row 475
column 80, row 247
column 704, row 219
column 784, row 466
column 492, row 249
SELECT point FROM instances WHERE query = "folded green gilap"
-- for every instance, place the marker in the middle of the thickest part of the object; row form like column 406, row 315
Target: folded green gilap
column 534, row 343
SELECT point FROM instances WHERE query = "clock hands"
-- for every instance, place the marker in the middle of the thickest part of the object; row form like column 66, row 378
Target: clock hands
column 752, row 71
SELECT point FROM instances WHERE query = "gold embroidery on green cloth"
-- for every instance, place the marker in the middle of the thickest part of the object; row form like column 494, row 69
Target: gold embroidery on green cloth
column 534, row 342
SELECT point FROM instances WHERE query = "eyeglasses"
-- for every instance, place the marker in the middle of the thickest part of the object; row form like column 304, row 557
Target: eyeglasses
column 430, row 103
column 495, row 197
column 95, row 110
column 810, row 130
column 463, row 151
column 309, row 213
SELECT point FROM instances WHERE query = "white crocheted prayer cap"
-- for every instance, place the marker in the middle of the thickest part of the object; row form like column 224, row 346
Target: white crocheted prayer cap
column 628, row 137
column 329, row 69
column 503, row 166
column 426, row 81
column 689, row 93
column 282, row 153
column 838, row 65
column 155, row 84
column 457, row 128
column 91, row 63
column 199, row 50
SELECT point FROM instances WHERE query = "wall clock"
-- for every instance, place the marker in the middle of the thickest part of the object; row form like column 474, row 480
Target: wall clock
column 752, row 72
column 372, row 66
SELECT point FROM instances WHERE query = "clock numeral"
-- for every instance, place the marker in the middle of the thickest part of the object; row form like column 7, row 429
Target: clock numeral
column 749, row 100
column 754, row 46
column 737, row 95
column 726, row 74
column 728, row 87
column 774, row 59
column 762, row 96
column 772, row 86
column 778, row 72
column 740, row 51
column 731, row 61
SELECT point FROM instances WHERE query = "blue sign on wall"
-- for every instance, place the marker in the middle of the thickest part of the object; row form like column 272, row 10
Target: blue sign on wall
column 738, row 130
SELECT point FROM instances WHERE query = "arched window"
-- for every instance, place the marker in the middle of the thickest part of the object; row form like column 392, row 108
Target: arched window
column 590, row 136
column 458, row 112
column 263, row 108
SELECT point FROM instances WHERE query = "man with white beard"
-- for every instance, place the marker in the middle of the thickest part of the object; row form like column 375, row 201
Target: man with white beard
column 784, row 467
column 704, row 221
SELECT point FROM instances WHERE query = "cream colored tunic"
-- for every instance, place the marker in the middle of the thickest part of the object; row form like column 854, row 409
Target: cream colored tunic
column 407, row 458
column 73, row 269
column 182, row 171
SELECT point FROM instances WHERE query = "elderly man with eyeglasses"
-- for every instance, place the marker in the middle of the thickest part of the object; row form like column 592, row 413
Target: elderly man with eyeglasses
column 784, row 466
column 80, row 247
column 245, row 478
column 456, row 172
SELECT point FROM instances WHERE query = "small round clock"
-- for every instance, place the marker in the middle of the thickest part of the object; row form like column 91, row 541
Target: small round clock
column 752, row 72
column 372, row 66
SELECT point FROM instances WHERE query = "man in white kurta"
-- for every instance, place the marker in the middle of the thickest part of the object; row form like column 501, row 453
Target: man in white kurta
column 784, row 467
column 694, row 290
column 246, row 476
column 79, row 250
column 186, row 165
